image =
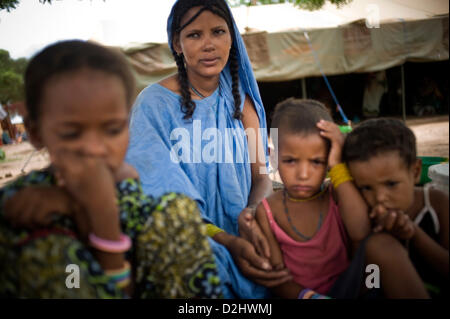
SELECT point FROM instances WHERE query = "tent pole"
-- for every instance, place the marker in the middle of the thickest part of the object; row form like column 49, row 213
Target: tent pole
column 304, row 93
column 403, row 93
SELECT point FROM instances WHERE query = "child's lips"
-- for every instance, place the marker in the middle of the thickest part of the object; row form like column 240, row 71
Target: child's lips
column 301, row 188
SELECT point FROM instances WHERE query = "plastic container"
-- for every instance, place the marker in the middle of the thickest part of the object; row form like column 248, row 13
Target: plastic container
column 428, row 161
column 439, row 176
column 345, row 129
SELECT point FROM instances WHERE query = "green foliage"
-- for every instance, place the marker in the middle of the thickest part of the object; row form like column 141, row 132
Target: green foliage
column 302, row 4
column 11, row 85
column 11, row 4
column 8, row 5
column 11, row 78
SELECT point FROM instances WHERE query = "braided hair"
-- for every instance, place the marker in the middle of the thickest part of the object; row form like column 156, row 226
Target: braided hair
column 219, row 8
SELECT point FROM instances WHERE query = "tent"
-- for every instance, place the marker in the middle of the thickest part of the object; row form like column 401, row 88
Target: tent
column 286, row 43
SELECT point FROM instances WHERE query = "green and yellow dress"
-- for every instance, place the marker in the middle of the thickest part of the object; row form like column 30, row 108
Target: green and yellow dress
column 170, row 255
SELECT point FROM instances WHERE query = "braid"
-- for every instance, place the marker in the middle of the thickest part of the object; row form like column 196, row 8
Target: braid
column 234, row 70
column 187, row 105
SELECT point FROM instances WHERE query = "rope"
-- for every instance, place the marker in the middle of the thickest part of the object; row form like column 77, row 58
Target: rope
column 341, row 111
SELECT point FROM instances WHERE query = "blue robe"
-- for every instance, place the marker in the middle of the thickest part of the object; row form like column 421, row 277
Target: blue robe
column 205, row 157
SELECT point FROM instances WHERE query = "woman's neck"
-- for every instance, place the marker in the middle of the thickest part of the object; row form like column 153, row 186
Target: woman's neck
column 204, row 86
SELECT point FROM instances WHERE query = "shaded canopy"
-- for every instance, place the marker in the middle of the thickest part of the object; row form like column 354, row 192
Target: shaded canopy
column 359, row 37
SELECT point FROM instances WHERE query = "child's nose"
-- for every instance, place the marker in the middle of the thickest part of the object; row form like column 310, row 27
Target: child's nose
column 302, row 171
column 381, row 195
column 95, row 146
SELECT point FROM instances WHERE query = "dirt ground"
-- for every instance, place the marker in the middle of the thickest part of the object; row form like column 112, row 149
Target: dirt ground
column 432, row 140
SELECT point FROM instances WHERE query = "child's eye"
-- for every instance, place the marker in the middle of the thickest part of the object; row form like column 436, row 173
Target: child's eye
column 69, row 135
column 391, row 183
column 364, row 188
column 288, row 161
column 115, row 129
column 318, row 162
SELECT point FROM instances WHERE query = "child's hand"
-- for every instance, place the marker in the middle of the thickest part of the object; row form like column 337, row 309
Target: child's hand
column 90, row 182
column 34, row 206
column 395, row 222
column 331, row 131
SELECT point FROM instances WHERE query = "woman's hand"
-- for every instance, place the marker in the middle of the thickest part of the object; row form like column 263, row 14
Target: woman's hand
column 255, row 267
column 252, row 265
column 330, row 131
column 35, row 206
column 250, row 230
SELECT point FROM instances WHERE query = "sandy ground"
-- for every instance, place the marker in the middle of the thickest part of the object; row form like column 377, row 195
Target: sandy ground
column 432, row 140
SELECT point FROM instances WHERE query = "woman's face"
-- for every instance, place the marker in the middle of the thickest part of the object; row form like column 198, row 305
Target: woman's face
column 205, row 43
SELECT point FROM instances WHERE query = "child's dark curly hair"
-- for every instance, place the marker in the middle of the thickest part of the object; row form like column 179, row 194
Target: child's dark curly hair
column 378, row 136
column 69, row 56
column 219, row 8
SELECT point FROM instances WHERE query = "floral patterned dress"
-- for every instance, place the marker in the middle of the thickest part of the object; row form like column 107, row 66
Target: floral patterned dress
column 171, row 256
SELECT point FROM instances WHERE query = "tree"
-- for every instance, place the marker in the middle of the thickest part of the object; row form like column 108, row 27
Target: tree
column 11, row 86
column 8, row 4
column 11, row 78
column 11, row 4
column 303, row 4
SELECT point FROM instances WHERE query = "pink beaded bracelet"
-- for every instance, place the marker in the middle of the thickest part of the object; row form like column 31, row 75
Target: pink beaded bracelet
column 111, row 246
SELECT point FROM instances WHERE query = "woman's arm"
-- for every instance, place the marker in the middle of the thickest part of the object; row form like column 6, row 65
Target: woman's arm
column 261, row 183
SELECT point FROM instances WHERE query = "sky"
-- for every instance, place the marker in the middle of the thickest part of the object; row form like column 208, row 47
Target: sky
column 33, row 25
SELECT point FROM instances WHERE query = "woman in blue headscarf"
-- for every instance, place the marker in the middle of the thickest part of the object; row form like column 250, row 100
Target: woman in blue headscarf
column 187, row 135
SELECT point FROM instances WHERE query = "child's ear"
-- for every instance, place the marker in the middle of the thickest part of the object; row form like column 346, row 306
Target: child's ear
column 33, row 133
column 417, row 170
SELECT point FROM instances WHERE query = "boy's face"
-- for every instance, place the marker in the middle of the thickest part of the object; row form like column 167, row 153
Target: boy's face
column 385, row 179
column 84, row 112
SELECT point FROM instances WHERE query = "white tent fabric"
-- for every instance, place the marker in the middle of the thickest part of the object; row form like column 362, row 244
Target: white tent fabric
column 290, row 18
column 363, row 36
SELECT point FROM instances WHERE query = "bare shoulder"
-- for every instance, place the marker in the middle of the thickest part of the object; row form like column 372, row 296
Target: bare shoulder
column 275, row 202
column 170, row 83
column 439, row 201
column 275, row 198
column 270, row 201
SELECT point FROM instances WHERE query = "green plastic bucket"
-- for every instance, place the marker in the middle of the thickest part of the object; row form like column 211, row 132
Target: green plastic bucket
column 428, row 161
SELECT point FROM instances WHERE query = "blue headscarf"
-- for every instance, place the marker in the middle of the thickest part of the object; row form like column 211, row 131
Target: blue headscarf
column 246, row 76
